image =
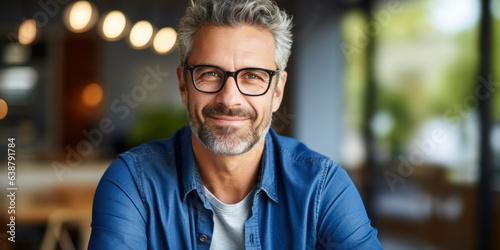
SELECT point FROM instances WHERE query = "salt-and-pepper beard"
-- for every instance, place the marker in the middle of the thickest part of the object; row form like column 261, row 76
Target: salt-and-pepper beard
column 228, row 140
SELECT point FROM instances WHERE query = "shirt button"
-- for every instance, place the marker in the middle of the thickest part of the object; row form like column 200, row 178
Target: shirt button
column 251, row 238
column 202, row 238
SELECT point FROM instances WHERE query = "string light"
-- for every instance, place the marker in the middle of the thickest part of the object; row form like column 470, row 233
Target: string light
column 140, row 35
column 113, row 26
column 164, row 40
column 80, row 16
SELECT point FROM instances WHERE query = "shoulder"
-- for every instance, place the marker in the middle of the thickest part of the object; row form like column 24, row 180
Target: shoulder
column 151, row 160
column 149, row 152
column 149, row 168
column 295, row 151
column 294, row 160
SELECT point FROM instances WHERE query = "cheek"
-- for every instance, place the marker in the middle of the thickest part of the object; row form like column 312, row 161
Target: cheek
column 191, row 103
column 195, row 109
column 196, row 103
column 264, row 112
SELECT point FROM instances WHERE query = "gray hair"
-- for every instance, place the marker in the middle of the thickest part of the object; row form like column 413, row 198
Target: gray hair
column 261, row 13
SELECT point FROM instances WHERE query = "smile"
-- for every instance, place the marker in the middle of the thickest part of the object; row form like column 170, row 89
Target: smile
column 229, row 120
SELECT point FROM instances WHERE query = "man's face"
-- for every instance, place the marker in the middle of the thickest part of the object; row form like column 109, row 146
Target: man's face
column 228, row 122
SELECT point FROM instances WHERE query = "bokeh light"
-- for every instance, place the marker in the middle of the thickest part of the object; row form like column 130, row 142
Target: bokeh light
column 92, row 94
column 140, row 35
column 80, row 16
column 113, row 26
column 3, row 109
column 27, row 32
column 164, row 40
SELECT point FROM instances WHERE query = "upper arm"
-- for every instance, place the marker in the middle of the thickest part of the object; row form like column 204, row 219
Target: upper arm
column 119, row 216
column 342, row 219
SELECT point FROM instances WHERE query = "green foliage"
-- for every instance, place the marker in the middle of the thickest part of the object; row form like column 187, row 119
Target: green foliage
column 156, row 123
column 496, row 69
column 420, row 72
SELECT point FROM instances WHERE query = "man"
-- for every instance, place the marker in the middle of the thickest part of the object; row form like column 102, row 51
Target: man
column 229, row 182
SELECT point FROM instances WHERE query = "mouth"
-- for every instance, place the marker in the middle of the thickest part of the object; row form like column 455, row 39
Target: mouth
column 229, row 120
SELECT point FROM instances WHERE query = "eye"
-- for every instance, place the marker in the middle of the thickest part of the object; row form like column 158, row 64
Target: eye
column 211, row 73
column 253, row 76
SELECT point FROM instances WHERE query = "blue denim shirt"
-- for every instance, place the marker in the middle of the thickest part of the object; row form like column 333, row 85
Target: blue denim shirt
column 152, row 197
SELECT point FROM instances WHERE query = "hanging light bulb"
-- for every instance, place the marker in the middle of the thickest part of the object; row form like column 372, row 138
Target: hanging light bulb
column 113, row 26
column 80, row 16
column 140, row 35
column 27, row 32
column 164, row 40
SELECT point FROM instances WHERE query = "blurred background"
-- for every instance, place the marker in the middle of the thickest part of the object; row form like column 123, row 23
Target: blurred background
column 402, row 93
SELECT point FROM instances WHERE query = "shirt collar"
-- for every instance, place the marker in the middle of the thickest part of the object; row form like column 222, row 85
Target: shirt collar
column 191, row 179
column 267, row 179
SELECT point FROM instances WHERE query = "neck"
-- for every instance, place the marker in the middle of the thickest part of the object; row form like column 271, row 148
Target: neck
column 229, row 178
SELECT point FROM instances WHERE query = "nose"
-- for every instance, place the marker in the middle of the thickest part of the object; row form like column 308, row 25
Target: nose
column 229, row 95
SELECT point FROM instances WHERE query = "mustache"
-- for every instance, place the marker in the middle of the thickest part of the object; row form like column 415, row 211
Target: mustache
column 221, row 110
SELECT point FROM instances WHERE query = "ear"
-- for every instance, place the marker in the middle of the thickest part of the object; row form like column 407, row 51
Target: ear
column 280, row 89
column 182, row 84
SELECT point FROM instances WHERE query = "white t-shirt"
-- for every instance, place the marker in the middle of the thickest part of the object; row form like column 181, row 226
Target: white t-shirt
column 229, row 222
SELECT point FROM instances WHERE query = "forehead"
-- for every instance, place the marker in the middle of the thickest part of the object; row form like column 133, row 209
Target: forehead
column 233, row 47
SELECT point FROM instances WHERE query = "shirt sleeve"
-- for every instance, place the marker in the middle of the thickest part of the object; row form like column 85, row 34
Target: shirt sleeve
column 342, row 219
column 118, row 216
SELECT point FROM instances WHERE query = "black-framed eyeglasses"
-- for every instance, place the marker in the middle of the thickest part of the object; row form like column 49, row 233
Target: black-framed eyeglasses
column 250, row 81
